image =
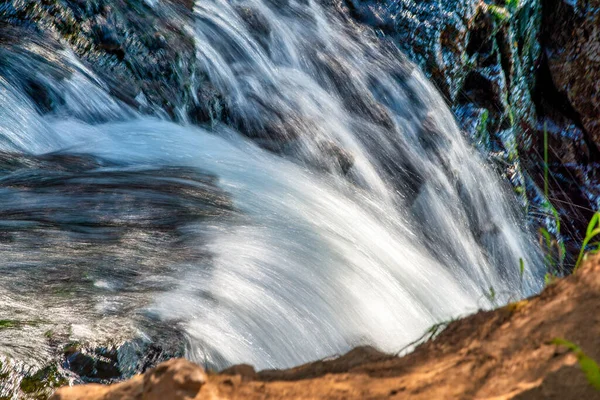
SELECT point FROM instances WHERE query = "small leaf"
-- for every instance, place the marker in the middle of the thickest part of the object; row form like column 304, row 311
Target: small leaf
column 592, row 224
column 590, row 369
column 569, row 345
column 547, row 236
column 592, row 231
column 549, row 278
column 500, row 13
column 512, row 4
column 588, row 365
column 556, row 217
column 521, row 267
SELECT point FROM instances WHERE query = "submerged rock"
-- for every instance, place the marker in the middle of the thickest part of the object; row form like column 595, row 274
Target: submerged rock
column 101, row 240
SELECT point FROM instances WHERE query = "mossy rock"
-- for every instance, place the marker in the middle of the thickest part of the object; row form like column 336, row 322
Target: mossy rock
column 41, row 384
column 9, row 323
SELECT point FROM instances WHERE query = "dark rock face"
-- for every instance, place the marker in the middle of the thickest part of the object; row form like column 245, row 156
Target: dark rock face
column 141, row 51
column 481, row 56
column 512, row 70
column 572, row 47
column 569, row 98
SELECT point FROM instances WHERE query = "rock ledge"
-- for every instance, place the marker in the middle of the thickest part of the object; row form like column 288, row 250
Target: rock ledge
column 501, row 354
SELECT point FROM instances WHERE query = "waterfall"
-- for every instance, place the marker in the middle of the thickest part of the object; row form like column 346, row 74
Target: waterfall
column 339, row 205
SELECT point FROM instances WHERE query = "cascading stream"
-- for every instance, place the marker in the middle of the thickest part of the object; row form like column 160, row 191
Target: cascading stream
column 374, row 221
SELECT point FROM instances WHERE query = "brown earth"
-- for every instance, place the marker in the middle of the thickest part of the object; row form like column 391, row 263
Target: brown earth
column 501, row 354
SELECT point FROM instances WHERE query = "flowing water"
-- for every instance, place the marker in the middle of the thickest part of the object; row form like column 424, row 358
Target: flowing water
column 340, row 206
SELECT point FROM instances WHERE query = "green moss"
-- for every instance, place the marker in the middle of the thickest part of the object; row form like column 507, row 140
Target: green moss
column 511, row 147
column 63, row 292
column 43, row 381
column 517, row 306
column 9, row 323
column 520, row 190
column 483, row 123
column 501, row 14
column 14, row 323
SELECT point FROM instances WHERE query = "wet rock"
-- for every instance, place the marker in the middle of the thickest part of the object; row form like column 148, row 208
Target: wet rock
column 141, row 51
column 42, row 382
column 566, row 102
column 113, row 362
column 256, row 22
column 99, row 364
column 506, row 75
column 481, row 55
column 572, row 48
column 209, row 106
column 139, row 222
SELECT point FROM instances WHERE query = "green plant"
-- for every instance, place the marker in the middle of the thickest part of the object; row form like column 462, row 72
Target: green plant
column 549, row 279
column 588, row 365
column 512, row 5
column 545, row 161
column 521, row 268
column 551, row 263
column 592, row 231
column 491, row 295
column 9, row 323
column 429, row 334
column 501, row 14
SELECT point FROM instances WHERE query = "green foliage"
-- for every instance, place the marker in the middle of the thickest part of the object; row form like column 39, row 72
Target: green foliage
column 512, row 5
column 491, row 295
column 501, row 14
column 592, row 231
column 545, row 161
column 14, row 323
column 483, row 123
column 429, row 334
column 588, row 365
column 9, row 323
column 549, row 278
column 551, row 244
column 521, row 268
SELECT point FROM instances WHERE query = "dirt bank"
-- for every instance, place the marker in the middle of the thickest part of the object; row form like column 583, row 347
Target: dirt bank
column 502, row 354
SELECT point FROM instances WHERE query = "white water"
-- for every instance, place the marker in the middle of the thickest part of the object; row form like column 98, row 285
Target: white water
column 316, row 261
